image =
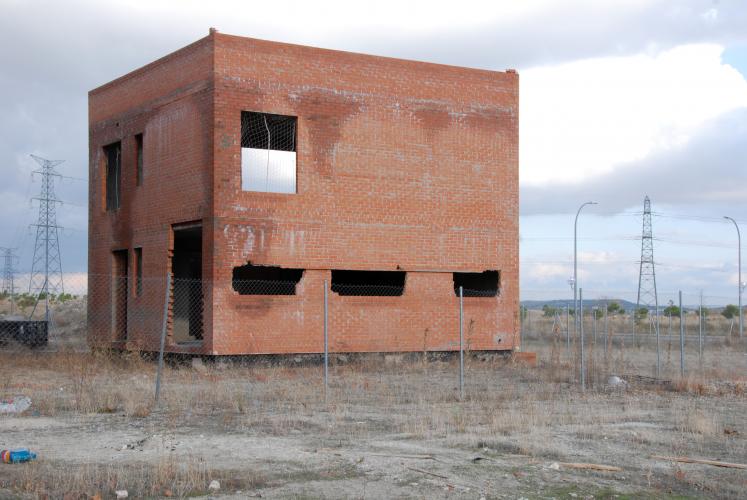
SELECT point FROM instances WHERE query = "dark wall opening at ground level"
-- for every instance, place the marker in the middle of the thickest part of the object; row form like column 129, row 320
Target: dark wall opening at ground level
column 368, row 283
column 265, row 280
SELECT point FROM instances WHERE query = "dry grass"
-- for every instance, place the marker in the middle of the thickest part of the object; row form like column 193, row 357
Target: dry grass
column 168, row 477
column 508, row 410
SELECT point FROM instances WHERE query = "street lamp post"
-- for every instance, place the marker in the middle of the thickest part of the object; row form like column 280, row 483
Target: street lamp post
column 739, row 280
column 575, row 279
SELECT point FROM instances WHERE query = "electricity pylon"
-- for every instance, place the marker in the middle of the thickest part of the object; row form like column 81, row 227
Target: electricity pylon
column 647, row 276
column 46, row 267
column 9, row 272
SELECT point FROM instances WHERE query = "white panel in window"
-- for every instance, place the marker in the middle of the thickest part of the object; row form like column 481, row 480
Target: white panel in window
column 268, row 170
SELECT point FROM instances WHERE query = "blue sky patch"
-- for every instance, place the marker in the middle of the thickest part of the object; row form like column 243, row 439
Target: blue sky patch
column 736, row 56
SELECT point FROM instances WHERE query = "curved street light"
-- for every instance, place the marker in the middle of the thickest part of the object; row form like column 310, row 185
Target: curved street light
column 575, row 288
column 739, row 280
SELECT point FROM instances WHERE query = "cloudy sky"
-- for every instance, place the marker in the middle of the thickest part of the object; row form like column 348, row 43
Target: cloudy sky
column 619, row 99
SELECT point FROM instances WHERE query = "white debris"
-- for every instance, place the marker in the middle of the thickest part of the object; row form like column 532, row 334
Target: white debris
column 199, row 366
column 214, row 485
column 615, row 381
column 554, row 466
column 18, row 404
column 121, row 494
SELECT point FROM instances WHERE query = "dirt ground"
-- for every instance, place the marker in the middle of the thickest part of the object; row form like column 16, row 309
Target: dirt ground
column 391, row 427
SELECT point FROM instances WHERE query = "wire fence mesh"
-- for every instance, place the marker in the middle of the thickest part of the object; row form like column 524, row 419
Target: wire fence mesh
column 151, row 406
column 683, row 337
column 110, row 311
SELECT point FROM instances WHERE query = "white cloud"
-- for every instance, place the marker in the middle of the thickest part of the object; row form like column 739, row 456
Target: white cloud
column 583, row 118
column 543, row 273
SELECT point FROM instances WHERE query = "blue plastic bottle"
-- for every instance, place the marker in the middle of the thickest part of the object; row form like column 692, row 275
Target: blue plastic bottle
column 17, row 456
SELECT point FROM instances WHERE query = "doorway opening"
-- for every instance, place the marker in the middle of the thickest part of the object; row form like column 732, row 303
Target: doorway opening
column 186, row 268
column 119, row 294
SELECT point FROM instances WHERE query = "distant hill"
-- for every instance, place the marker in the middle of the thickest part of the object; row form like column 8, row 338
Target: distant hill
column 588, row 303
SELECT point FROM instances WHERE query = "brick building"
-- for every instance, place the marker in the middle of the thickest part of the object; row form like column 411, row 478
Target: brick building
column 255, row 171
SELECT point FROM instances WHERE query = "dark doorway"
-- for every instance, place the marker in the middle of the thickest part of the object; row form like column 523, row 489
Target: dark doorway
column 119, row 294
column 186, row 266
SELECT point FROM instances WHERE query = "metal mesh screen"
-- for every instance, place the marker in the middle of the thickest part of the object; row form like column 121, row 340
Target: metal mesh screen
column 268, row 153
column 267, row 131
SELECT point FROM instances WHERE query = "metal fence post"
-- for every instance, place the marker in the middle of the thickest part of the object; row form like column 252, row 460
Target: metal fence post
column 632, row 317
column 568, row 329
column 594, row 326
column 461, row 343
column 606, row 329
column 163, row 337
column 326, row 344
column 658, row 358
column 682, row 339
column 700, row 331
column 528, row 324
column 581, row 323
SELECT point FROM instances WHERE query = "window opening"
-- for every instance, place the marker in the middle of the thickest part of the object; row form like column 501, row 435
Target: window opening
column 268, row 152
column 368, row 283
column 139, row 157
column 265, row 280
column 113, row 155
column 484, row 284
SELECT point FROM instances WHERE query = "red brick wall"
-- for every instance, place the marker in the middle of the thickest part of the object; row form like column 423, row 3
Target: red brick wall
column 170, row 103
column 400, row 165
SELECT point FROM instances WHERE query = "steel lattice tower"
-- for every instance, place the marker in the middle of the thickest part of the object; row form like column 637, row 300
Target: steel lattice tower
column 8, row 271
column 9, row 276
column 647, row 277
column 46, row 267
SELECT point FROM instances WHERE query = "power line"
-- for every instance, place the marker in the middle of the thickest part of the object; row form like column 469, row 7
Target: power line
column 697, row 218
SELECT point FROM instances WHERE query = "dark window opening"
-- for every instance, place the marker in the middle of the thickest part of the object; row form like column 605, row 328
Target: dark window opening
column 266, row 131
column 138, row 256
column 186, row 268
column 139, row 158
column 113, row 154
column 484, row 284
column 265, row 280
column 119, row 294
column 368, row 283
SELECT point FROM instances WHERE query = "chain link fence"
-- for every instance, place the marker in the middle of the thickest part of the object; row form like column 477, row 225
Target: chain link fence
column 166, row 318
column 689, row 335
column 105, row 311
column 156, row 408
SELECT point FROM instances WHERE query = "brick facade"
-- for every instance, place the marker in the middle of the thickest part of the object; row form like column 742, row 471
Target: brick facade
column 401, row 165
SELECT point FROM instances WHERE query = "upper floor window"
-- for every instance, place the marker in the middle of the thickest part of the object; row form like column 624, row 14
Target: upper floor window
column 268, row 152
column 113, row 157
column 139, row 158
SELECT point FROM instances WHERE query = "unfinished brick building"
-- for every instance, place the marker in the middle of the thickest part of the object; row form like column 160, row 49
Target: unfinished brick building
column 255, row 171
